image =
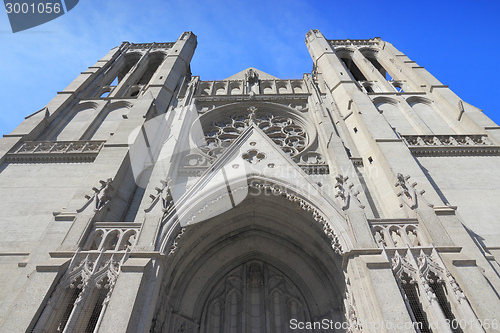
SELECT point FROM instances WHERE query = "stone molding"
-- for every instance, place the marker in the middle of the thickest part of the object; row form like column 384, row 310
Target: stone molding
column 147, row 46
column 451, row 145
column 398, row 233
column 55, row 151
column 355, row 42
column 112, row 236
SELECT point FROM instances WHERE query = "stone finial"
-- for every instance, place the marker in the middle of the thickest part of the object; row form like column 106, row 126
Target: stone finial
column 345, row 192
column 164, row 195
column 100, row 197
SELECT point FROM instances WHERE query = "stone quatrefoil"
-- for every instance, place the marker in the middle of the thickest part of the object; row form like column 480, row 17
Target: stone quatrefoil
column 253, row 156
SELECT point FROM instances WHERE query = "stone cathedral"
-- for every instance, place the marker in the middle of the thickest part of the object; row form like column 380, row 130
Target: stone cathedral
column 362, row 197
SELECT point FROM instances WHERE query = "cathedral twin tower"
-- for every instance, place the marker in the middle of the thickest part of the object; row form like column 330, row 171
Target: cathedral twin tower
column 362, row 197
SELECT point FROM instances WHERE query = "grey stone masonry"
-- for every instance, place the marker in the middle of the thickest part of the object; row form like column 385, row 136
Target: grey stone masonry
column 362, row 197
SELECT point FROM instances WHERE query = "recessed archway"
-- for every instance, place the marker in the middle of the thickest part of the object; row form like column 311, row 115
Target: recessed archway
column 251, row 269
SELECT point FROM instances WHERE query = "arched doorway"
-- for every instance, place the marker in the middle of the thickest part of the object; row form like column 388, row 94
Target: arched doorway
column 253, row 268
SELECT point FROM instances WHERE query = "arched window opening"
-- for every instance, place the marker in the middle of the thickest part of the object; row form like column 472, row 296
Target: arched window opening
column 351, row 66
column 235, row 90
column 297, row 89
column 89, row 318
column 220, row 90
column 65, row 307
column 373, row 60
column 130, row 61
column 215, row 318
column 252, row 296
column 412, row 297
column 154, row 62
column 380, row 237
column 204, row 89
column 277, row 311
column 233, row 308
column 438, row 287
column 104, row 94
column 368, row 88
column 398, row 86
column 114, row 83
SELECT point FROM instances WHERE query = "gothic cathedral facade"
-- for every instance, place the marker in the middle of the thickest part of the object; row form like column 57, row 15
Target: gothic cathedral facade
column 362, row 197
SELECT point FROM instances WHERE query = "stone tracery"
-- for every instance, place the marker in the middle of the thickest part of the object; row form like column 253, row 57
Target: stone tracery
column 264, row 289
column 285, row 132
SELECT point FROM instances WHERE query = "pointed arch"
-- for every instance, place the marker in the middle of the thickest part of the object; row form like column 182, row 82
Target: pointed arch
column 108, row 120
column 328, row 216
column 155, row 59
column 70, row 126
column 279, row 227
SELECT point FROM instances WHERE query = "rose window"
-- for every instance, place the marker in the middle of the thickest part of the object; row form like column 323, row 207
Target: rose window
column 285, row 132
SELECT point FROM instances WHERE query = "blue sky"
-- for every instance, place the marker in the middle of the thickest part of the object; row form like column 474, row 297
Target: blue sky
column 457, row 41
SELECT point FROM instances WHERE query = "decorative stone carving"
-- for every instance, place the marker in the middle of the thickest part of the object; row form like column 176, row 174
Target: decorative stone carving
column 345, row 192
column 87, row 276
column 162, row 195
column 252, row 297
column 112, row 236
column 408, row 193
column 355, row 42
column 285, row 132
column 193, row 165
column 350, row 310
column 175, row 243
column 253, row 156
column 275, row 190
column 451, row 145
column 397, row 233
column 146, row 46
column 312, row 163
column 252, row 78
column 403, row 270
column 100, row 197
column 433, row 272
column 56, row 151
column 318, row 217
column 195, row 160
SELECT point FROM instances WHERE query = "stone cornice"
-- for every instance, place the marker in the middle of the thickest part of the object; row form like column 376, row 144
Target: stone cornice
column 451, row 145
column 238, row 98
column 55, row 152
column 147, row 46
column 356, row 42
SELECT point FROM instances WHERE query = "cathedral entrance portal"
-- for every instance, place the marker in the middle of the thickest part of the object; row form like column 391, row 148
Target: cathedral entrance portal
column 251, row 269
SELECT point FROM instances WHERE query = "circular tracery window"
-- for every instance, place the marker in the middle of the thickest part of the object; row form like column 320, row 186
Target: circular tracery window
column 288, row 133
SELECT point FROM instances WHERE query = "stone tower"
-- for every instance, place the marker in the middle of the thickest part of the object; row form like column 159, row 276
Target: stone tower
column 362, row 197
